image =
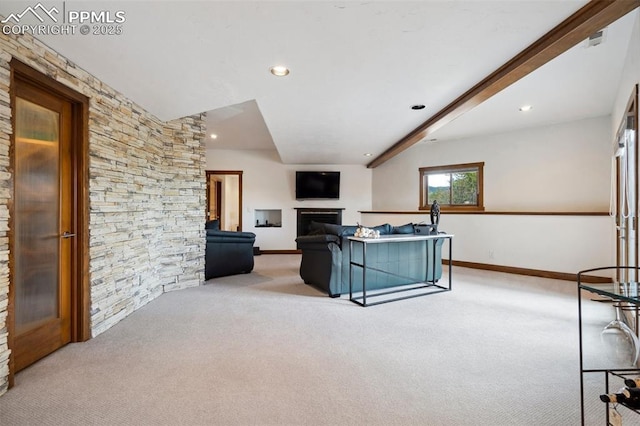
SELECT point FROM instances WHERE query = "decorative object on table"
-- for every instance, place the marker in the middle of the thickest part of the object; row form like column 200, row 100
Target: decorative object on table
column 435, row 213
column 363, row 232
column 424, row 229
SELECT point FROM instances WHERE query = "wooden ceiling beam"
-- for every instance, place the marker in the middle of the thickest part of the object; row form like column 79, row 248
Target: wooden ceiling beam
column 591, row 18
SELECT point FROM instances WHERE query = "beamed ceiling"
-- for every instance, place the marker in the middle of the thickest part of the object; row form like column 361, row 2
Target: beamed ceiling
column 356, row 68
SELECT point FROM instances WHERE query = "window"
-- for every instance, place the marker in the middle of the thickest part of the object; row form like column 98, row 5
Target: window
column 455, row 187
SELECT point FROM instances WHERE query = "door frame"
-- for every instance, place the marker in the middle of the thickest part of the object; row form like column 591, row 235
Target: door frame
column 80, row 286
column 225, row 172
column 631, row 112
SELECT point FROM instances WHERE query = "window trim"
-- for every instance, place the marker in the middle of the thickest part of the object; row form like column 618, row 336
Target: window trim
column 452, row 168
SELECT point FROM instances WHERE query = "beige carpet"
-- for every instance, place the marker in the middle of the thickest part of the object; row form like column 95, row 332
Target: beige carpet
column 266, row 349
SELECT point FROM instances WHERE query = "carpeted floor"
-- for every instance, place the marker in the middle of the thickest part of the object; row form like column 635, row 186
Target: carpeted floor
column 266, row 349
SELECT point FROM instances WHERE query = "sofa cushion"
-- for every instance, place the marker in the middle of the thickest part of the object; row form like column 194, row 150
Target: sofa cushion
column 345, row 230
column 403, row 229
column 385, row 229
column 348, row 231
column 316, row 228
column 331, row 229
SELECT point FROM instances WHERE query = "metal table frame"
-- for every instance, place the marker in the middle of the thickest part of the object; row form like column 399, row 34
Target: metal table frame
column 432, row 286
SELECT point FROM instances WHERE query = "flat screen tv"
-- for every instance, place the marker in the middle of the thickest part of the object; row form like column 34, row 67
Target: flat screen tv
column 317, row 185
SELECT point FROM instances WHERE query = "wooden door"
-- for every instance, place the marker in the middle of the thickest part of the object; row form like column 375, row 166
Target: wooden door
column 43, row 225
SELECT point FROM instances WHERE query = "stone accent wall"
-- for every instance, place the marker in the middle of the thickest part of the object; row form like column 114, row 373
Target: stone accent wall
column 147, row 194
column 5, row 197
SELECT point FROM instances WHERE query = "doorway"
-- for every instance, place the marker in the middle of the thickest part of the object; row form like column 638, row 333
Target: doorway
column 224, row 198
column 49, row 297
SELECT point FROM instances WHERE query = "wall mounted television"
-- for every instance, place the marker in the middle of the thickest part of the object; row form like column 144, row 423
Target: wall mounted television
column 312, row 185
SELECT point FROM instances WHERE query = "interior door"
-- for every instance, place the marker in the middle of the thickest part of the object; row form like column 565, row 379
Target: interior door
column 43, row 234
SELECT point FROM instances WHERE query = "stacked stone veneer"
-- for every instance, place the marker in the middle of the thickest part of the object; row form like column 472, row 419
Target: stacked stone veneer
column 147, row 194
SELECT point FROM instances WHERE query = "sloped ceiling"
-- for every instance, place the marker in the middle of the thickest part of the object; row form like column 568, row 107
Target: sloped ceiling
column 356, row 68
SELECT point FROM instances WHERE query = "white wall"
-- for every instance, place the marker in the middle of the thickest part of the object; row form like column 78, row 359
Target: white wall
column 559, row 168
column 564, row 167
column 269, row 184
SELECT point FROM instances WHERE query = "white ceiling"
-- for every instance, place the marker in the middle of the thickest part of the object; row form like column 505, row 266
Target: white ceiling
column 356, row 68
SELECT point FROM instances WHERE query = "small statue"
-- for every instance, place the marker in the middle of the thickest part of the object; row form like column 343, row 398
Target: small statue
column 435, row 213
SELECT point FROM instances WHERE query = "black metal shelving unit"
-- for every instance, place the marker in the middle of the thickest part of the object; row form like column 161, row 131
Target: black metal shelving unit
column 625, row 296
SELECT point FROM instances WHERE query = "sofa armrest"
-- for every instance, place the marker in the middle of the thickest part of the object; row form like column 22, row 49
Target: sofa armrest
column 321, row 262
column 217, row 236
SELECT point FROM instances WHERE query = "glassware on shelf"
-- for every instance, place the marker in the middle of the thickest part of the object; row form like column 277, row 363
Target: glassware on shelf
column 621, row 340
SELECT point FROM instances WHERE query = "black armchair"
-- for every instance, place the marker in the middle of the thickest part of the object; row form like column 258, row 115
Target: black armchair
column 227, row 252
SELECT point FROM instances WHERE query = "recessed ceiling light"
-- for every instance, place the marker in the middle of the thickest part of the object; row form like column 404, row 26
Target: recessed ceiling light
column 368, row 154
column 279, row 70
column 214, row 136
column 417, row 107
column 525, row 108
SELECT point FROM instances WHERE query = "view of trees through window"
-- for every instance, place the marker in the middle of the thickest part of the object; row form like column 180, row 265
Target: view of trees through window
column 455, row 186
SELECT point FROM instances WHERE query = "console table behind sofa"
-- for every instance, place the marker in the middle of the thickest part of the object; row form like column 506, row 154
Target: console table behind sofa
column 395, row 268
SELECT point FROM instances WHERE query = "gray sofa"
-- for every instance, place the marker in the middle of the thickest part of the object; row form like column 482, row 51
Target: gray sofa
column 325, row 259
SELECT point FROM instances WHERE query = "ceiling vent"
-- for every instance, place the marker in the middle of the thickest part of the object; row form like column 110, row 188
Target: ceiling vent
column 596, row 38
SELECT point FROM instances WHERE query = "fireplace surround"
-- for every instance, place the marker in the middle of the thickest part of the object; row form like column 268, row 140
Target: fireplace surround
column 313, row 214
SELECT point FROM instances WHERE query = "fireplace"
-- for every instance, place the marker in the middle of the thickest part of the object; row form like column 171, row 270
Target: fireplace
column 307, row 215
